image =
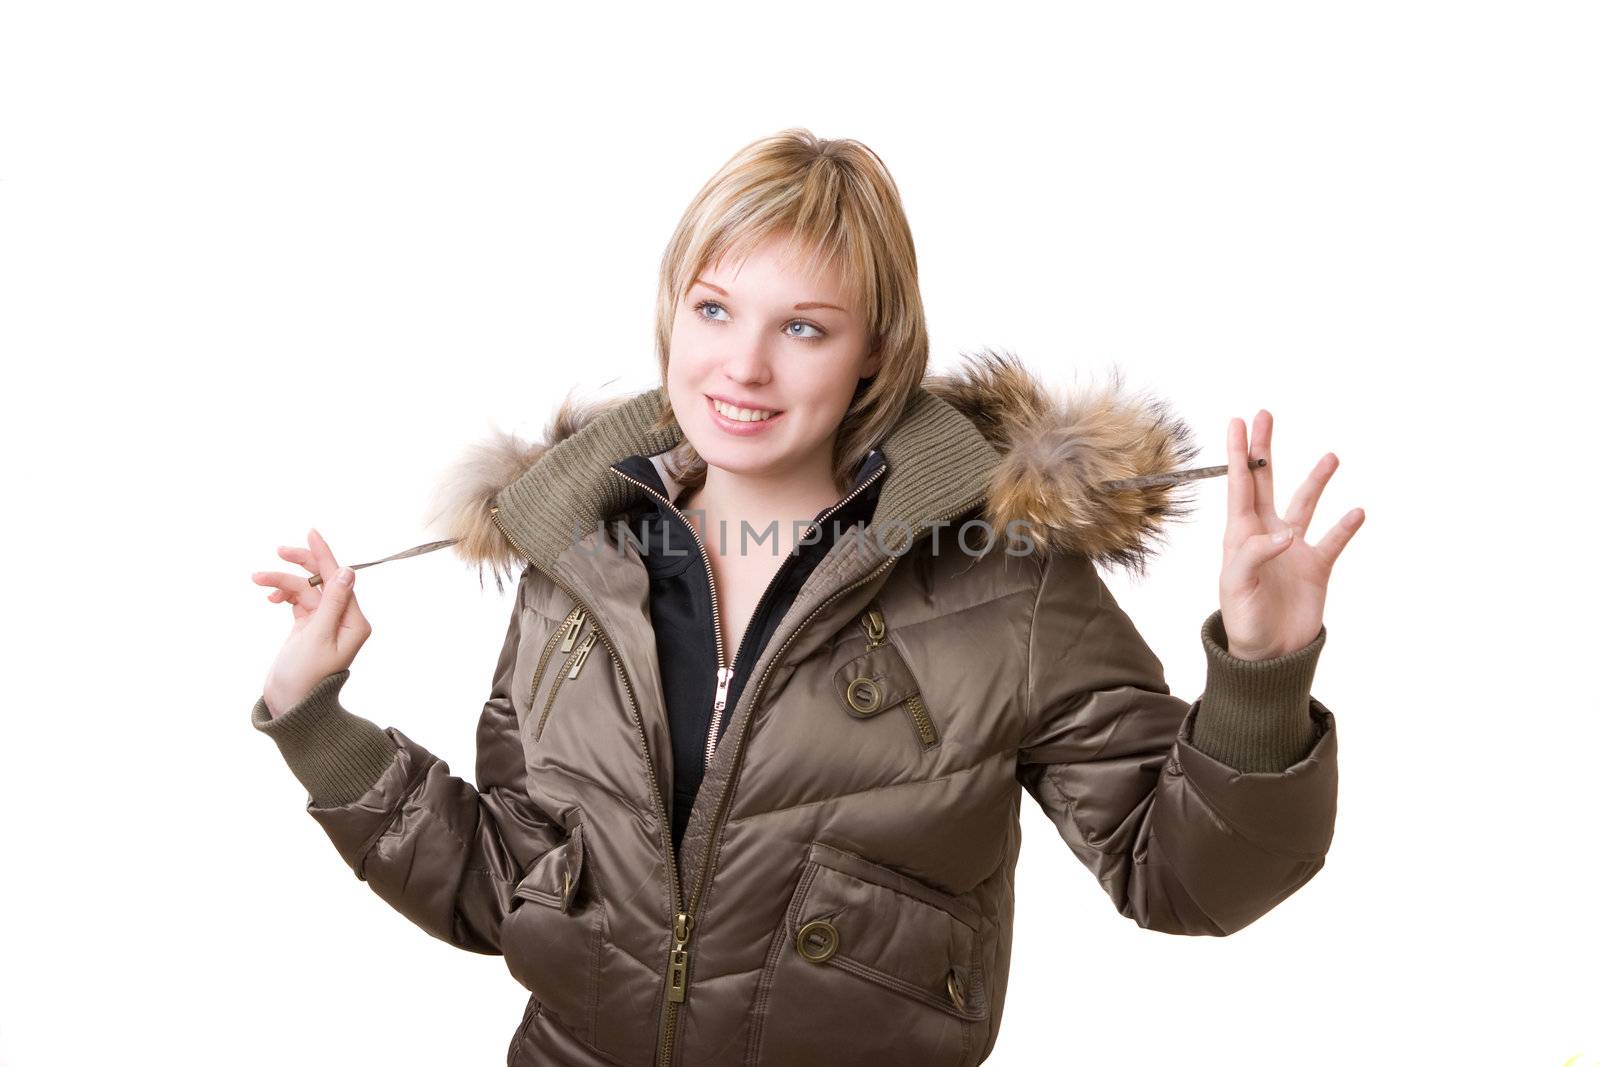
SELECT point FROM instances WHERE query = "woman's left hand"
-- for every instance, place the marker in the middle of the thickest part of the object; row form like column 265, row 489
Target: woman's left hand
column 1272, row 591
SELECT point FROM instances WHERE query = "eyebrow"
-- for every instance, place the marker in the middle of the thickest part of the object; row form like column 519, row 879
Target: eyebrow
column 798, row 307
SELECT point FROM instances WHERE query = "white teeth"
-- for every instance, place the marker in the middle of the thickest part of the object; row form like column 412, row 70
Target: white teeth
column 741, row 414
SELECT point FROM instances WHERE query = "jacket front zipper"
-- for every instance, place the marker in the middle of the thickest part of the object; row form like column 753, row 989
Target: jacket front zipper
column 721, row 810
column 683, row 923
column 725, row 670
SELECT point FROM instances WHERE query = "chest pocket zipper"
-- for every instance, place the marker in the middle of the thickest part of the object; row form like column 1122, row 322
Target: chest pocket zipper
column 578, row 654
column 880, row 679
column 581, row 656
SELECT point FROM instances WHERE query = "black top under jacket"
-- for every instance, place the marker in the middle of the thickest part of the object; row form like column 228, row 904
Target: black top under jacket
column 680, row 610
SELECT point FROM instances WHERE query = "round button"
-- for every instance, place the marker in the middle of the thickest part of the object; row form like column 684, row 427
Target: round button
column 864, row 695
column 957, row 989
column 817, row 940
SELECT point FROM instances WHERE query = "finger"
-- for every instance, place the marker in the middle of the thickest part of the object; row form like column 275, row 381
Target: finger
column 296, row 603
column 354, row 630
column 322, row 557
column 1261, row 448
column 353, row 615
column 293, row 588
column 331, row 608
column 1258, row 550
column 1241, row 490
column 1333, row 542
column 1303, row 505
column 301, row 556
column 290, row 583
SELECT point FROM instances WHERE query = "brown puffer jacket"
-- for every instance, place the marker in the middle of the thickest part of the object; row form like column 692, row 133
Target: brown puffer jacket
column 845, row 890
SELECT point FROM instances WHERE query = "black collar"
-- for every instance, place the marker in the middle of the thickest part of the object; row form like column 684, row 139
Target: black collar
column 668, row 546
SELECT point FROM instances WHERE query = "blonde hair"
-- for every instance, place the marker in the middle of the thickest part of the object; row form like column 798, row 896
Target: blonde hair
column 836, row 202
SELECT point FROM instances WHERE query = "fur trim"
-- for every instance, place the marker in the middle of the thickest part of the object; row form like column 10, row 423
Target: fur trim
column 1055, row 450
column 462, row 501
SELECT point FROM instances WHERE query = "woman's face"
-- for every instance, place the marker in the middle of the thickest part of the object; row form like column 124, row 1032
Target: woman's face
column 763, row 362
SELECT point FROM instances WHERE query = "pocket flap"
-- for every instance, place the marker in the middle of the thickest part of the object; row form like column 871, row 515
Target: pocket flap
column 553, row 878
column 892, row 930
column 874, row 682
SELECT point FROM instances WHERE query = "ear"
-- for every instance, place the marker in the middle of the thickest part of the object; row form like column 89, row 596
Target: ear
column 873, row 364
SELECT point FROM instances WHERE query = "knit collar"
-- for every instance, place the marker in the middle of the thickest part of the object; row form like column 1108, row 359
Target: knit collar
column 1094, row 470
column 938, row 462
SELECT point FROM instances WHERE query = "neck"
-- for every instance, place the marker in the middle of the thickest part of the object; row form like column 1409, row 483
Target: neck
column 787, row 497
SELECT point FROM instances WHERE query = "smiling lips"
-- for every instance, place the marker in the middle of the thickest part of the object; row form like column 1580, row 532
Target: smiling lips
column 740, row 420
column 742, row 414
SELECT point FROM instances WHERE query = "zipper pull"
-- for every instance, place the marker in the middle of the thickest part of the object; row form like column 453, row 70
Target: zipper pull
column 724, row 676
column 872, row 622
column 574, row 624
column 678, row 969
column 583, row 653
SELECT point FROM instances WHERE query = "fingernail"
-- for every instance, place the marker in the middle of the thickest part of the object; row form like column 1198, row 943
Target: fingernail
column 1283, row 535
column 346, row 575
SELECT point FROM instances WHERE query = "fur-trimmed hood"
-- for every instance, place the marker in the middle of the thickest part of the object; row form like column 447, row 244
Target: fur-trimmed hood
column 1049, row 454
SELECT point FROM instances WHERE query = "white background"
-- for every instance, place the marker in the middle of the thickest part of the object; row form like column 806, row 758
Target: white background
column 265, row 267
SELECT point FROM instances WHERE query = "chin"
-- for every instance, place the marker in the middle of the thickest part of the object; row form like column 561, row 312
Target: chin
column 735, row 460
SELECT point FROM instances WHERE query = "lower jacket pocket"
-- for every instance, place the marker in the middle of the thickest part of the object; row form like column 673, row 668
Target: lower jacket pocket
column 551, row 937
column 870, row 966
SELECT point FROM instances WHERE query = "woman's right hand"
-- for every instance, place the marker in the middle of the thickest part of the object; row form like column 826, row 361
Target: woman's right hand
column 329, row 628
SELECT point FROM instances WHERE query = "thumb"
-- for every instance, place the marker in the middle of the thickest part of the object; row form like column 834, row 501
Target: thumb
column 1262, row 548
column 331, row 607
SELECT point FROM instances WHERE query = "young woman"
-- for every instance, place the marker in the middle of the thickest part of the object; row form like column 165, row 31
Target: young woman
column 792, row 632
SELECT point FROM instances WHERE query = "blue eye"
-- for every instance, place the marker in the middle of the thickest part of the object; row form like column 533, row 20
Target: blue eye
column 818, row 333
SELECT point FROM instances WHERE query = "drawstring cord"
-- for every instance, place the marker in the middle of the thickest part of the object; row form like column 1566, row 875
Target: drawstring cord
column 1163, row 478
column 432, row 546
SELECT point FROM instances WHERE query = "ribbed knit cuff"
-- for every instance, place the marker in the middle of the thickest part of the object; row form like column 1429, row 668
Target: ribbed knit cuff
column 336, row 755
column 1255, row 715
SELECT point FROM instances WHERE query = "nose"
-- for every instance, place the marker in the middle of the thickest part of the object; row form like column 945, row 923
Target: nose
column 748, row 363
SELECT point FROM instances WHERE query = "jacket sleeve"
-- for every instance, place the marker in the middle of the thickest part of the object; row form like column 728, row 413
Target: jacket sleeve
column 443, row 852
column 1196, row 818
